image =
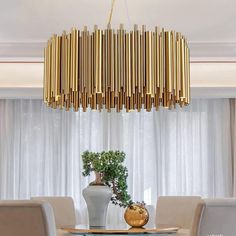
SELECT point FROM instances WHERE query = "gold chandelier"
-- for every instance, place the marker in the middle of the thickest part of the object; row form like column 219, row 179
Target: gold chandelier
column 117, row 69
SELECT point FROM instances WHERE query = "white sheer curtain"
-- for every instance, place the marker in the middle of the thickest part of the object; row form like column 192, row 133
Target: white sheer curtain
column 180, row 152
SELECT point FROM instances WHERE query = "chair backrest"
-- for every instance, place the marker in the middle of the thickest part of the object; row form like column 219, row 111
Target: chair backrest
column 63, row 208
column 218, row 217
column 26, row 218
column 182, row 211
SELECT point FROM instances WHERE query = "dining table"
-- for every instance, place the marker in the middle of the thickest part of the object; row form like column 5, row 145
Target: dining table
column 159, row 230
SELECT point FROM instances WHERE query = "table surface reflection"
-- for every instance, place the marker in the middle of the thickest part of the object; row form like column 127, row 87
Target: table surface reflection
column 120, row 229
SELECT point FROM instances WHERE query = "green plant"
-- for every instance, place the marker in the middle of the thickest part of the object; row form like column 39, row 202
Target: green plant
column 109, row 170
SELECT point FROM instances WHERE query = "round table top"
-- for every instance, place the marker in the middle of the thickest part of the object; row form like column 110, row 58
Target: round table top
column 124, row 229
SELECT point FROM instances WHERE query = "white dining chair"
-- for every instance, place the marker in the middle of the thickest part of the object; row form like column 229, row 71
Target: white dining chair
column 26, row 218
column 218, row 217
column 181, row 211
column 63, row 208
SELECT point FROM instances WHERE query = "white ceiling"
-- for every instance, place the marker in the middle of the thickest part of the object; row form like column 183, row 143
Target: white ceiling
column 199, row 20
column 208, row 24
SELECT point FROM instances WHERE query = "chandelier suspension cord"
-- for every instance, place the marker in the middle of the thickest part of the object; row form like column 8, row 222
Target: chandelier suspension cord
column 111, row 12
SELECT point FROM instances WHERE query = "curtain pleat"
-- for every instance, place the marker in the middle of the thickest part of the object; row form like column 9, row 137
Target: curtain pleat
column 233, row 140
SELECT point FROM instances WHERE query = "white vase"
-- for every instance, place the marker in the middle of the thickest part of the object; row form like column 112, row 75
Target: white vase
column 97, row 199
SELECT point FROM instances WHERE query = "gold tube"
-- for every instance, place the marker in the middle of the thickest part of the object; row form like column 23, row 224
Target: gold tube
column 106, row 61
column 89, row 65
column 182, row 69
column 142, row 61
column 80, row 70
column 115, row 66
column 157, row 56
column 52, row 68
column 168, row 63
column 112, row 82
column 161, row 61
column 49, row 83
column 133, row 63
column 104, row 64
column 76, row 104
column 135, row 56
column 63, row 63
column 148, row 57
column 178, row 67
column 118, row 62
column 83, row 67
column 71, row 62
column 53, row 93
column 154, row 62
column 76, row 42
column 122, row 55
column 83, row 64
column 92, row 67
column 57, row 68
column 165, row 99
column 138, row 55
column 173, row 57
column 109, row 33
column 99, row 85
column 188, row 74
column 128, row 65
column 49, row 71
column 187, row 99
column 73, row 59
column 152, row 58
column 98, row 60
column 87, row 75
column 68, row 62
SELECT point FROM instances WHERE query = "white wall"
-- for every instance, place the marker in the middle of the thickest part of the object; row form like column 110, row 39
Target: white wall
column 208, row 79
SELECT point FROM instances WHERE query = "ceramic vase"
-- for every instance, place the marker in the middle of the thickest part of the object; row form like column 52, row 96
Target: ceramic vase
column 97, row 198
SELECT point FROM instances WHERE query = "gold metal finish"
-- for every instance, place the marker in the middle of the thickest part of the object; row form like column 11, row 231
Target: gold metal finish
column 136, row 215
column 117, row 69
